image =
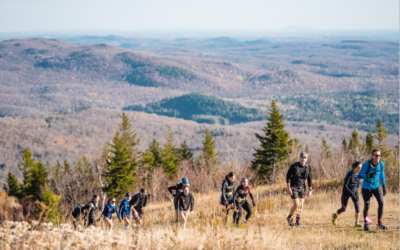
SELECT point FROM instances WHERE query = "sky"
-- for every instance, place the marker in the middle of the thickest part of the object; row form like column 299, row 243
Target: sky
column 212, row 15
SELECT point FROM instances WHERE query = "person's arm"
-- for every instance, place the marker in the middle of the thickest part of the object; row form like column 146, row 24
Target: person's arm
column 145, row 201
column 181, row 206
column 223, row 191
column 309, row 178
column 347, row 182
column 363, row 172
column 251, row 196
column 171, row 188
column 120, row 206
column 104, row 212
column 191, row 203
column 382, row 175
column 132, row 204
column 117, row 211
column 288, row 178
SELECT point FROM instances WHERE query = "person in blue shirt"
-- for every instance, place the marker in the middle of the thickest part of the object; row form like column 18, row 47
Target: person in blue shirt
column 350, row 190
column 109, row 209
column 137, row 203
column 125, row 210
column 372, row 172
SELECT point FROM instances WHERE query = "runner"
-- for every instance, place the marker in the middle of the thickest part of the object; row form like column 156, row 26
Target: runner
column 137, row 203
column 185, row 199
column 76, row 218
column 296, row 186
column 371, row 172
column 125, row 210
column 350, row 190
column 240, row 198
column 91, row 209
column 228, row 188
column 109, row 209
column 178, row 190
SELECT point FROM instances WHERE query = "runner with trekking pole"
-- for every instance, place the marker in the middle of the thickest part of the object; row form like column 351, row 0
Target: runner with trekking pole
column 350, row 190
column 295, row 179
column 240, row 201
column 372, row 172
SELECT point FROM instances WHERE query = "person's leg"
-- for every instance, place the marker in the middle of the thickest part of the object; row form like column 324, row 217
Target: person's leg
column 366, row 194
column 379, row 198
column 247, row 207
column 299, row 210
column 183, row 218
column 108, row 223
column 295, row 201
column 356, row 201
column 344, row 199
column 176, row 209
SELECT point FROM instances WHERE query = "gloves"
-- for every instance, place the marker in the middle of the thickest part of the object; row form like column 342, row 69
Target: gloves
column 384, row 190
column 254, row 203
column 371, row 175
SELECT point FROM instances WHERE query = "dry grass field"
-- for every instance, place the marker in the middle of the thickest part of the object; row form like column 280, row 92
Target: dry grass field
column 267, row 229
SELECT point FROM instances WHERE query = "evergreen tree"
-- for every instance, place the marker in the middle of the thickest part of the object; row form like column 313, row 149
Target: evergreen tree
column 369, row 142
column 184, row 152
column 274, row 144
column 38, row 181
column 209, row 159
column 355, row 139
column 307, row 150
column 28, row 164
column 169, row 159
column 13, row 187
column 344, row 144
column 121, row 161
column 380, row 134
column 325, row 149
column 351, row 144
column 152, row 156
column 121, row 166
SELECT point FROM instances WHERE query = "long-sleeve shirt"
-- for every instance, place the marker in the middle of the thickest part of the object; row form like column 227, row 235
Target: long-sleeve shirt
column 178, row 189
column 228, row 189
column 125, row 207
column 369, row 168
column 184, row 201
column 109, row 210
column 242, row 192
column 351, row 183
column 297, row 175
column 138, row 202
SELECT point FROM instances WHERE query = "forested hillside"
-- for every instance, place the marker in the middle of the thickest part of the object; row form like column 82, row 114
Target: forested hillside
column 202, row 109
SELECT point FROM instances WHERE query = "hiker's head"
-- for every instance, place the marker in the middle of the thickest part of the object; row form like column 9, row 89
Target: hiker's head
column 245, row 182
column 376, row 155
column 356, row 166
column 111, row 201
column 303, row 158
column 96, row 199
column 231, row 176
column 143, row 192
column 186, row 190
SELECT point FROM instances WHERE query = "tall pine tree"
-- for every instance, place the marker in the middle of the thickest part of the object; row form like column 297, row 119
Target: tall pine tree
column 274, row 144
column 380, row 134
column 169, row 159
column 12, row 187
column 325, row 149
column 185, row 153
column 369, row 142
column 121, row 161
column 209, row 158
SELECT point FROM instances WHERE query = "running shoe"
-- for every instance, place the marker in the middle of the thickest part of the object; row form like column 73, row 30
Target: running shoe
column 299, row 225
column 334, row 219
column 381, row 227
column 245, row 222
column 290, row 220
column 366, row 227
column 357, row 224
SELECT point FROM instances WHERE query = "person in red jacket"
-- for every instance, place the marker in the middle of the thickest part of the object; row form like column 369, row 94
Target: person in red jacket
column 240, row 198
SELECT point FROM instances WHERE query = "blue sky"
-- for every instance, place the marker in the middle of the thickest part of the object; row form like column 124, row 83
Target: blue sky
column 164, row 15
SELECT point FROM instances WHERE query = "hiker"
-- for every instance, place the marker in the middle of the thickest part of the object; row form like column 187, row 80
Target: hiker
column 371, row 172
column 296, row 177
column 91, row 209
column 125, row 210
column 228, row 188
column 178, row 190
column 109, row 209
column 76, row 218
column 350, row 190
column 137, row 203
column 185, row 199
column 240, row 201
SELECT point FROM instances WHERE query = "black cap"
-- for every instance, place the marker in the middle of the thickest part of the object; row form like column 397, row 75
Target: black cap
column 95, row 196
column 231, row 174
column 143, row 191
column 128, row 194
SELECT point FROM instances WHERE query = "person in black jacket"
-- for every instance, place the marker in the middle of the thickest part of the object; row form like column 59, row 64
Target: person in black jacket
column 76, row 218
column 91, row 209
column 185, row 201
column 350, row 190
column 240, row 199
column 137, row 203
column 228, row 189
column 296, row 177
column 178, row 190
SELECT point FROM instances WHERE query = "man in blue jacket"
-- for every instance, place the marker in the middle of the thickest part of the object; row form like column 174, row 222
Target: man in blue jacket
column 371, row 172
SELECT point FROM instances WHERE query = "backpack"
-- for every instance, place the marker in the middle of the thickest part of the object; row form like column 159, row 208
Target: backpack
column 369, row 168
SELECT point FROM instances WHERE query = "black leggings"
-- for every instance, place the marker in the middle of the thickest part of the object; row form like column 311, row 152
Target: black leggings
column 345, row 198
column 367, row 194
column 246, row 206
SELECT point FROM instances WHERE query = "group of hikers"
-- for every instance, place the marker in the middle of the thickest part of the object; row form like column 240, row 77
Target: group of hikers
column 371, row 172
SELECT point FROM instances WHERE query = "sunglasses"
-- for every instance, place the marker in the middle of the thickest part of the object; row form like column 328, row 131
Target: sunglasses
column 377, row 155
column 112, row 201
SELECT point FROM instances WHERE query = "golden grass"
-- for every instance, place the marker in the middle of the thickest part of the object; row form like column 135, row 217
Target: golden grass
column 267, row 228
